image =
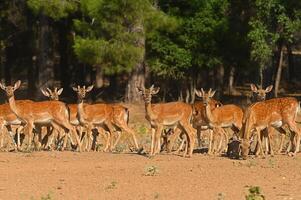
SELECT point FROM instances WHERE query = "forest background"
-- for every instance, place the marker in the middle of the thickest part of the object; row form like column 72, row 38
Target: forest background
column 178, row 45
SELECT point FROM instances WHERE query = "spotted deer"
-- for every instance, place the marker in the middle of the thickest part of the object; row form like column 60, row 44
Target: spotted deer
column 167, row 115
column 29, row 112
column 225, row 116
column 276, row 113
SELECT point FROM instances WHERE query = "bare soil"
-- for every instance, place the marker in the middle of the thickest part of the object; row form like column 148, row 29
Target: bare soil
column 96, row 175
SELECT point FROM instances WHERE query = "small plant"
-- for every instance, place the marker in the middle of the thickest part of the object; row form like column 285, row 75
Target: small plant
column 47, row 197
column 221, row 196
column 112, row 185
column 98, row 147
column 251, row 163
column 142, row 129
column 151, row 171
column 119, row 148
column 157, row 195
column 272, row 163
column 255, row 193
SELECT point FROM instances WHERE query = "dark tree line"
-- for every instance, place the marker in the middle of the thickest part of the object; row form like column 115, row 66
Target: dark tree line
column 178, row 45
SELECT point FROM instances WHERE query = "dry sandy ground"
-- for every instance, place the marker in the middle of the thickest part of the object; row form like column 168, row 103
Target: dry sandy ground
column 95, row 175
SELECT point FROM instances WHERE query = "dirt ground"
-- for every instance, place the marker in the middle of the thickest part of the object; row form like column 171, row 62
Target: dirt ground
column 95, row 175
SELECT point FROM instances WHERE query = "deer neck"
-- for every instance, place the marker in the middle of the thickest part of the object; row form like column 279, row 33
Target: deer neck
column 209, row 115
column 80, row 111
column 13, row 106
column 149, row 115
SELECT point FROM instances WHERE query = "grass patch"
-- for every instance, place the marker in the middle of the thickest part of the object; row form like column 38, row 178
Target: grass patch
column 112, row 185
column 151, row 171
column 255, row 193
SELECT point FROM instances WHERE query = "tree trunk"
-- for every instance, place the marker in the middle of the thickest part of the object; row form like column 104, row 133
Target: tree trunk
column 220, row 72
column 231, row 80
column 279, row 70
column 192, row 88
column 99, row 77
column 64, row 51
column 291, row 66
column 261, row 74
column 45, row 61
column 137, row 77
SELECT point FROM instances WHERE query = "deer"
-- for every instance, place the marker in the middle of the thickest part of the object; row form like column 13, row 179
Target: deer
column 29, row 112
column 92, row 115
column 199, row 122
column 276, row 113
column 259, row 94
column 7, row 120
column 53, row 95
column 120, row 117
column 167, row 115
column 225, row 116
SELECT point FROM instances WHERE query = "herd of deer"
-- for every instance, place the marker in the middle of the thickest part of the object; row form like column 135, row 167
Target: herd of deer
column 175, row 119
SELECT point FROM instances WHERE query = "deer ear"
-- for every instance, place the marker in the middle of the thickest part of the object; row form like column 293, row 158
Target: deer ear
column 269, row 89
column 59, row 92
column 17, row 84
column 198, row 93
column 2, row 86
column 139, row 89
column 45, row 93
column 74, row 89
column 211, row 94
column 155, row 90
column 89, row 88
column 253, row 87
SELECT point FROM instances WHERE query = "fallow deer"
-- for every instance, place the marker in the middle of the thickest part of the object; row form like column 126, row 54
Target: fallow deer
column 221, row 117
column 199, row 122
column 93, row 115
column 270, row 113
column 167, row 115
column 7, row 120
column 54, row 112
column 120, row 117
column 57, row 132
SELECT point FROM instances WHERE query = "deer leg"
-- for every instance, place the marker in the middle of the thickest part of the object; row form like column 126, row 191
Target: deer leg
column 172, row 138
column 259, row 141
column 30, row 126
column 9, row 130
column 152, row 141
column 293, row 127
column 198, row 133
column 71, row 130
column 210, row 142
column 191, row 133
column 156, row 139
column 107, row 138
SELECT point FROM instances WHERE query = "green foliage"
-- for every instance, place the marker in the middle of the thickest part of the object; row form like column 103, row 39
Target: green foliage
column 255, row 194
column 151, row 170
column 55, row 9
column 112, row 33
column 194, row 42
column 275, row 22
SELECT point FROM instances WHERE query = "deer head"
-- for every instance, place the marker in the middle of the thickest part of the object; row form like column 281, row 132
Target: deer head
column 259, row 94
column 147, row 93
column 53, row 95
column 82, row 91
column 205, row 96
column 10, row 89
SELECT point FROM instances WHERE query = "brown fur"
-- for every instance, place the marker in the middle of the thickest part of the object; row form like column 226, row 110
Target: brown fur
column 267, row 113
